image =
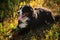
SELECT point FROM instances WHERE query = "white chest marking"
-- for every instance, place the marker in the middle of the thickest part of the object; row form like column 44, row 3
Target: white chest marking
column 24, row 23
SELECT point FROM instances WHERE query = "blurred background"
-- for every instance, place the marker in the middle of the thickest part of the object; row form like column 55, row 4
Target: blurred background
column 8, row 17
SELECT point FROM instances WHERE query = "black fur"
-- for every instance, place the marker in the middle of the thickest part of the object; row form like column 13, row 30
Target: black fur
column 57, row 18
column 43, row 22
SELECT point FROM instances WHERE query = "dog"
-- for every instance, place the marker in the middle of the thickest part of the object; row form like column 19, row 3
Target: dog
column 35, row 19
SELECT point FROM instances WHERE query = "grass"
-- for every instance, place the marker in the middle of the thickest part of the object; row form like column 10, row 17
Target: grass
column 52, row 34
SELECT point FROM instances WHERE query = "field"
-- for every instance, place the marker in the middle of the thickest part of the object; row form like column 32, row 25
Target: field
column 52, row 34
column 10, row 21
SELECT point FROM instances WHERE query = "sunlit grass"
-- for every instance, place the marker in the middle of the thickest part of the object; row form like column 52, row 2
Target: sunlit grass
column 52, row 34
column 10, row 24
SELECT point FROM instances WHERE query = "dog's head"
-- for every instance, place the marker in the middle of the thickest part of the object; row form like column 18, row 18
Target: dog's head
column 25, row 10
column 23, row 15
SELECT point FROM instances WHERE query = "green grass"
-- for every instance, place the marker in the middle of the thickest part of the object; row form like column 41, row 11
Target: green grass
column 52, row 34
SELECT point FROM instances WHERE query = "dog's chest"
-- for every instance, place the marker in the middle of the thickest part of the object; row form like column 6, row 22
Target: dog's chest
column 24, row 22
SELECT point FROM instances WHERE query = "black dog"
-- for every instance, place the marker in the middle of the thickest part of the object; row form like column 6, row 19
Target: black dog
column 29, row 21
column 33, row 19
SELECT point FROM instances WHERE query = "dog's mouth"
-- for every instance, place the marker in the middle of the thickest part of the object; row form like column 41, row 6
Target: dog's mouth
column 23, row 16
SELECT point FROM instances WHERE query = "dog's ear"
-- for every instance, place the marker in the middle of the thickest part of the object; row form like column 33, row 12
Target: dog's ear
column 27, row 8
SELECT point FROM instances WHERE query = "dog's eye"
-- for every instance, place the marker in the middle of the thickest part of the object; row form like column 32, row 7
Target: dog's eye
column 18, row 12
